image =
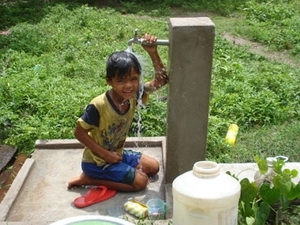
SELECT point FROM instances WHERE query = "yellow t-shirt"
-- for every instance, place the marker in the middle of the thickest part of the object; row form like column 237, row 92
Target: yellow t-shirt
column 112, row 128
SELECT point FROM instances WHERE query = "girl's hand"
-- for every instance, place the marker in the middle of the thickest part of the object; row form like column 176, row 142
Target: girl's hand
column 149, row 40
column 112, row 157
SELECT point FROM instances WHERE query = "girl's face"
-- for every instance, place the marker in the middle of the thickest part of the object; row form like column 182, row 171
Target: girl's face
column 125, row 87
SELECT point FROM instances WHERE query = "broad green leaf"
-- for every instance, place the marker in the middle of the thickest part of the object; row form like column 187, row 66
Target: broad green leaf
column 278, row 166
column 294, row 193
column 250, row 220
column 246, row 209
column 292, row 173
column 248, row 190
column 283, row 183
column 268, row 194
column 262, row 164
column 262, row 213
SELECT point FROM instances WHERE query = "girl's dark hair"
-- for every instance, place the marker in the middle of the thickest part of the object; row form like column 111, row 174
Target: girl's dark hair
column 120, row 64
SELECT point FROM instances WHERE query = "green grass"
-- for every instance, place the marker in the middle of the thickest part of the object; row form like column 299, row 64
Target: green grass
column 271, row 23
column 270, row 140
column 53, row 63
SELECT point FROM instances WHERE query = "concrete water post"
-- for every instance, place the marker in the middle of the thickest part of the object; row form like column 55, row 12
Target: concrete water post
column 190, row 54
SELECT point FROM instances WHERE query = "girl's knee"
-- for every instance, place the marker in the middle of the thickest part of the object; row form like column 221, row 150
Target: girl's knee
column 141, row 181
column 149, row 165
column 141, row 186
column 154, row 169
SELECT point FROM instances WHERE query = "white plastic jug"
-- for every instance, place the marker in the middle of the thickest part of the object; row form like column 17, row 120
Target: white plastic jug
column 205, row 196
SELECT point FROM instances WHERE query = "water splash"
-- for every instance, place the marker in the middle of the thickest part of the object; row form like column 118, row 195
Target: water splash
column 140, row 94
column 139, row 107
column 129, row 49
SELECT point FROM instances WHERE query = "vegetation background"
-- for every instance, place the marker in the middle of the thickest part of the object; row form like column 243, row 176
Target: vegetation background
column 53, row 54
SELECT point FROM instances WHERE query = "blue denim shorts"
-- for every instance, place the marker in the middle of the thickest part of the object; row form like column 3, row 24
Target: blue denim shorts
column 123, row 172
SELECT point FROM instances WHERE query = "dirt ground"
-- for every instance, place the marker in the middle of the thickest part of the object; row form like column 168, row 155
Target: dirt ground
column 7, row 176
column 259, row 49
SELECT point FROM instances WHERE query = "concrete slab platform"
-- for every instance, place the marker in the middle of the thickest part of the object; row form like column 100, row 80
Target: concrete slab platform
column 39, row 195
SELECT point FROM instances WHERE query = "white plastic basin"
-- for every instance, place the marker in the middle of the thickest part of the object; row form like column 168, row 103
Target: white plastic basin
column 92, row 220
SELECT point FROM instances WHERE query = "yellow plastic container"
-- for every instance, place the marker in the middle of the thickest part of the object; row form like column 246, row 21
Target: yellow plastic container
column 136, row 208
column 205, row 196
column 232, row 134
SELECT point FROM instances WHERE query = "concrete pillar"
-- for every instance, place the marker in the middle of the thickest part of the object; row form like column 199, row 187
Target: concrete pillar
column 190, row 55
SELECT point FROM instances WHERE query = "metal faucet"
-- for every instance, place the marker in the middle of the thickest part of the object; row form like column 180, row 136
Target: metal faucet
column 141, row 41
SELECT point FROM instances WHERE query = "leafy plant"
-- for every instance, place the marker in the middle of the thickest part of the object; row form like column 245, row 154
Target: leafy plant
column 269, row 196
column 280, row 17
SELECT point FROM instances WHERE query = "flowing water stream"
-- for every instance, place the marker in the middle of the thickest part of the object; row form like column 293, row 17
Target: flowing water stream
column 139, row 100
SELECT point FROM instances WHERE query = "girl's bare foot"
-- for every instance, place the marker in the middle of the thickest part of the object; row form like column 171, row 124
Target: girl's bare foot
column 80, row 180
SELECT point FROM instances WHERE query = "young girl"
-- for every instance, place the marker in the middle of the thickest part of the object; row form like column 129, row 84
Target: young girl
column 104, row 126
